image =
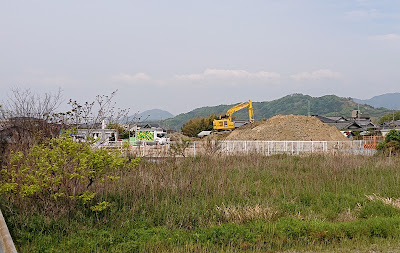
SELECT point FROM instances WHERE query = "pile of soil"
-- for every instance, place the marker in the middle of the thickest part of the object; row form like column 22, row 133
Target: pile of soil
column 288, row 128
column 179, row 137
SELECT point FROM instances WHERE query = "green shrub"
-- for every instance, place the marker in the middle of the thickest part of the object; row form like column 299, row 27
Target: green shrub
column 60, row 170
column 393, row 135
column 391, row 143
column 378, row 209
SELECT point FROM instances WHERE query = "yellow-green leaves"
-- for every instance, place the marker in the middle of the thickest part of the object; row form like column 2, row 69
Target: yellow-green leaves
column 62, row 169
column 87, row 197
column 101, row 206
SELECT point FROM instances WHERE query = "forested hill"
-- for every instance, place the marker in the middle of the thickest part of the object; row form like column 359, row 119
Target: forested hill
column 297, row 104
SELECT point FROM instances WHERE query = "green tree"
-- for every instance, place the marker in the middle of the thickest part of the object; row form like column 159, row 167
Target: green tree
column 196, row 125
column 122, row 132
column 389, row 117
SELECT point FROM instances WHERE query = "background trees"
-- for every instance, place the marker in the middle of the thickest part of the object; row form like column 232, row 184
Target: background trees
column 389, row 117
column 391, row 145
column 196, row 125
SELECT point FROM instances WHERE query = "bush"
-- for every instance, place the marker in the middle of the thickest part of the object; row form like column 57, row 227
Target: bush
column 391, row 144
column 393, row 135
column 61, row 170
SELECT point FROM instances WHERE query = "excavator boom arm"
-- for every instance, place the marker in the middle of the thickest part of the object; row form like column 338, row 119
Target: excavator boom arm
column 225, row 122
column 240, row 107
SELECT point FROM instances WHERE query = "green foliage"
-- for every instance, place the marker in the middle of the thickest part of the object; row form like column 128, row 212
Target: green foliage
column 391, row 143
column 378, row 209
column 389, row 117
column 196, row 125
column 62, row 169
column 393, row 135
column 101, row 206
column 122, row 132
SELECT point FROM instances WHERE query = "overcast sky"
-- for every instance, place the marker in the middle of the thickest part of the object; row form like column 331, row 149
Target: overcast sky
column 180, row 55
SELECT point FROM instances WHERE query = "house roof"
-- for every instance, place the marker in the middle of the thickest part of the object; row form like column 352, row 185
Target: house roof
column 324, row 119
column 366, row 123
column 149, row 125
column 390, row 124
column 346, row 125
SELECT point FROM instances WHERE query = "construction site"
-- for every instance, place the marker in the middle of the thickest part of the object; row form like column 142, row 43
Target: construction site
column 289, row 134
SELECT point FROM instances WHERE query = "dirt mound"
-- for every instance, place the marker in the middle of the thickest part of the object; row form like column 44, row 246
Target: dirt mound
column 179, row 137
column 288, row 128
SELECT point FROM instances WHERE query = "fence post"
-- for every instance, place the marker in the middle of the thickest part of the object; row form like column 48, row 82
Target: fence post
column 194, row 148
column 292, row 147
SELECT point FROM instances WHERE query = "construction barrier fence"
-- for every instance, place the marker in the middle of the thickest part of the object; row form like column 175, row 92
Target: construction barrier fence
column 246, row 147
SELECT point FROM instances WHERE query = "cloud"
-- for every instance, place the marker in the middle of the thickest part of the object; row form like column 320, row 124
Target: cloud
column 128, row 78
column 228, row 74
column 386, row 37
column 316, row 75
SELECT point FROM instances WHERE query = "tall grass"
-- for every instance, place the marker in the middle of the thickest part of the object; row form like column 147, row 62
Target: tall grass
column 231, row 203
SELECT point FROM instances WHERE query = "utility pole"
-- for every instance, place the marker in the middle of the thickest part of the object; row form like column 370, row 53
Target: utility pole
column 393, row 113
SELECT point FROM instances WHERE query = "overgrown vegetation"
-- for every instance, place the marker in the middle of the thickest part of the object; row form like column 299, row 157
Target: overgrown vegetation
column 52, row 177
column 391, row 144
column 60, row 195
column 230, row 203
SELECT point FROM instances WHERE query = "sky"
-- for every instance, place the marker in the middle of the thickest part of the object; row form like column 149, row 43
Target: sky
column 180, row 55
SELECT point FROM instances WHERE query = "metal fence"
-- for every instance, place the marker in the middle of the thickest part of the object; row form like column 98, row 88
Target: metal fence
column 246, row 147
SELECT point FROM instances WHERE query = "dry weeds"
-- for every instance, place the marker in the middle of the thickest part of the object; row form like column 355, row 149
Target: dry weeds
column 240, row 214
column 385, row 200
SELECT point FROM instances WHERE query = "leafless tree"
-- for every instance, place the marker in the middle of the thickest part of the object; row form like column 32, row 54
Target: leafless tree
column 92, row 114
column 27, row 118
column 23, row 103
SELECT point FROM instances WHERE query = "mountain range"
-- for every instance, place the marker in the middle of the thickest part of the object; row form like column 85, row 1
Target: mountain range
column 389, row 100
column 298, row 104
column 153, row 115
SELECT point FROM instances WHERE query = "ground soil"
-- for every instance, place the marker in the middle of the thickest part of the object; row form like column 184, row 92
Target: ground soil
column 288, row 128
column 179, row 137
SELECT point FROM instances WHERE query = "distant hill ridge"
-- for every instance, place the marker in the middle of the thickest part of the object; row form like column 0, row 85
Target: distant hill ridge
column 297, row 104
column 388, row 100
column 152, row 115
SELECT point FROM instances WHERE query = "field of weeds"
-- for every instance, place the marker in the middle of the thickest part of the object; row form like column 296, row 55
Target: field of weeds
column 206, row 204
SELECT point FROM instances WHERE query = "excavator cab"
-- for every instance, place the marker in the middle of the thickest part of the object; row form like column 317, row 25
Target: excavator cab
column 225, row 122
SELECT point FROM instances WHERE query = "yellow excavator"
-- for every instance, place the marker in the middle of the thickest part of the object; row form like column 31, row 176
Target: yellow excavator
column 225, row 122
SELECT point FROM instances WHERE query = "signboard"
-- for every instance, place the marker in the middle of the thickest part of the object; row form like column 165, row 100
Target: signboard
column 145, row 135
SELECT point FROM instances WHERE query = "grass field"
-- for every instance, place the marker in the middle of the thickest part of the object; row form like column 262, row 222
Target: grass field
column 235, row 203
